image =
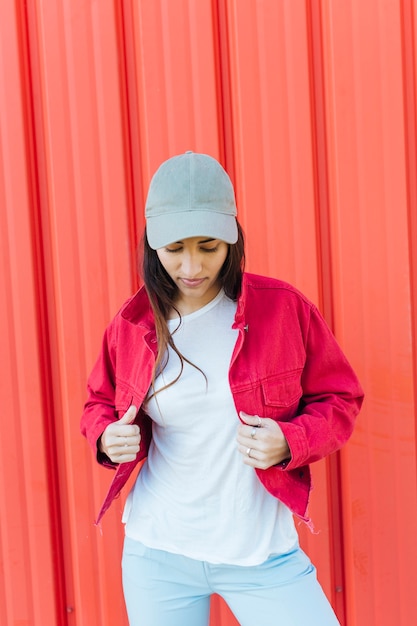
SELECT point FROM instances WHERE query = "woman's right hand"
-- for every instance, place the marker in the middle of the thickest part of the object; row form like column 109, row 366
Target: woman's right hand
column 120, row 441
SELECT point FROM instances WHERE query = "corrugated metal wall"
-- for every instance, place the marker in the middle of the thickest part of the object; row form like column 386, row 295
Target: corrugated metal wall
column 312, row 107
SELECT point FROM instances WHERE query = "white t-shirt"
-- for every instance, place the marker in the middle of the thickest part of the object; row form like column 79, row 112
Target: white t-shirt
column 194, row 495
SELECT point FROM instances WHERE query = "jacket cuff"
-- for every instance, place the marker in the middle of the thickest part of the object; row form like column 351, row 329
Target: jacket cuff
column 297, row 444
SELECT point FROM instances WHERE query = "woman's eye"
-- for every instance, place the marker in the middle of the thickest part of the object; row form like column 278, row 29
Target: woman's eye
column 173, row 249
column 210, row 249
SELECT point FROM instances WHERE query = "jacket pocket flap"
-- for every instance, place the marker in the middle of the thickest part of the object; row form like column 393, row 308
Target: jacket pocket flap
column 283, row 390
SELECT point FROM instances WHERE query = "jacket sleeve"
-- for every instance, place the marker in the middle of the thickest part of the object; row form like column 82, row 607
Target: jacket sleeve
column 332, row 397
column 99, row 409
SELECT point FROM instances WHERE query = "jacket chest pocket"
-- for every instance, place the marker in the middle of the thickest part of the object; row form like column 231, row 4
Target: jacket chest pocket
column 282, row 391
column 277, row 396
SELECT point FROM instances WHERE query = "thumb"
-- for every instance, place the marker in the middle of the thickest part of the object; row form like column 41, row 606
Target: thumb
column 129, row 416
column 251, row 420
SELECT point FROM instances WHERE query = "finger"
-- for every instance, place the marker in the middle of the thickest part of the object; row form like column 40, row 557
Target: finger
column 254, row 458
column 247, row 435
column 131, row 447
column 116, row 438
column 129, row 416
column 246, row 442
column 248, row 452
column 127, row 430
column 251, row 420
column 123, row 458
column 122, row 453
column 124, row 441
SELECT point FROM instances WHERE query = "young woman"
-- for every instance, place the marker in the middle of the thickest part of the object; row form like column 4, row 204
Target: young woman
column 229, row 385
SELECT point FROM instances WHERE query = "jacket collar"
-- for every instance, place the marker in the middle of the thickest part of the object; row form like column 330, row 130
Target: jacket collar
column 138, row 310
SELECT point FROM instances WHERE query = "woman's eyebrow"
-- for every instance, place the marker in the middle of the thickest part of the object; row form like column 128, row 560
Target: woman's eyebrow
column 201, row 241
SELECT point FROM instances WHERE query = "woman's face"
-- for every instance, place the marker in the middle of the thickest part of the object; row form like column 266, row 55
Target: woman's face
column 194, row 265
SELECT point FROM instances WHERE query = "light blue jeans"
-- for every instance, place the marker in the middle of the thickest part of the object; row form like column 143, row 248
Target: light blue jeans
column 165, row 589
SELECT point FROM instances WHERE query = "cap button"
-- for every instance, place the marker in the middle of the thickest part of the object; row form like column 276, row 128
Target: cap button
column 189, row 152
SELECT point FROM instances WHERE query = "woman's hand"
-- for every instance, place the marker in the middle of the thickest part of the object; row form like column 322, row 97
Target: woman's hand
column 120, row 441
column 261, row 442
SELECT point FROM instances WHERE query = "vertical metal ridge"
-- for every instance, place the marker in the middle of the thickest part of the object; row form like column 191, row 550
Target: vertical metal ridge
column 324, row 260
column 131, row 127
column 318, row 126
column 42, row 317
column 410, row 124
column 224, row 97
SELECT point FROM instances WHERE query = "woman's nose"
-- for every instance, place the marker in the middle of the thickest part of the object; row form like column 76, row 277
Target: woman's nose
column 191, row 265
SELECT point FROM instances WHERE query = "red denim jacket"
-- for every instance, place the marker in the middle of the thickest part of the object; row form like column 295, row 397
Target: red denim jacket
column 286, row 365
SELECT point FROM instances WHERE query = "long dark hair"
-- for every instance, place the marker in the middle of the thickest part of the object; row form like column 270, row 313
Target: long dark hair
column 162, row 293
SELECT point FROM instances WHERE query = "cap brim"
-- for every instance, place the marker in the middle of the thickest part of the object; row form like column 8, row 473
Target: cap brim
column 161, row 230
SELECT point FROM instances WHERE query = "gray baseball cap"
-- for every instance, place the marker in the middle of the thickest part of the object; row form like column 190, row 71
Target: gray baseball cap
column 190, row 195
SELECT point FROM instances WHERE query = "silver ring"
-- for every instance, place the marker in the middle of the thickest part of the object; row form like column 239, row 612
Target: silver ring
column 253, row 433
column 248, row 451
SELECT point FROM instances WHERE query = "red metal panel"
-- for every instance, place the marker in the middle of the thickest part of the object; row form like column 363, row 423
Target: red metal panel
column 85, row 217
column 370, row 260
column 409, row 33
column 312, row 107
column 28, row 584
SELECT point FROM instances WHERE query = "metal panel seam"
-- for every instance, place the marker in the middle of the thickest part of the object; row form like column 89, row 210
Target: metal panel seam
column 324, row 260
column 410, row 124
column 224, row 96
column 131, row 138
column 28, row 26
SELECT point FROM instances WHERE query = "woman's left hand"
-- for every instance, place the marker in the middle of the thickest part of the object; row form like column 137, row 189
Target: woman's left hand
column 261, row 442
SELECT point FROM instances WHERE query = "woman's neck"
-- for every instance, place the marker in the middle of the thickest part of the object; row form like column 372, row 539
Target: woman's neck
column 186, row 306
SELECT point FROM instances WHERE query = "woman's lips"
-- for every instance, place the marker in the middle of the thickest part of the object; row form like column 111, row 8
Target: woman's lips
column 192, row 282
